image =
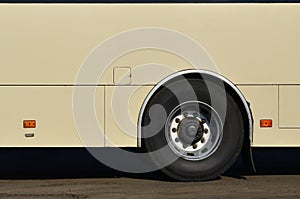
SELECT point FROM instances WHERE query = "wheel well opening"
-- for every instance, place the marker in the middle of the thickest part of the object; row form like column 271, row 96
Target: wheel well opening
column 229, row 87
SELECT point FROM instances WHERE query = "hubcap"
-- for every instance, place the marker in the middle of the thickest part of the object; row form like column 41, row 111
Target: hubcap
column 190, row 130
column 191, row 133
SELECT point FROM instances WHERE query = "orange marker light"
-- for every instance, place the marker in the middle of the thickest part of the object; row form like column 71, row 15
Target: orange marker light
column 266, row 123
column 29, row 123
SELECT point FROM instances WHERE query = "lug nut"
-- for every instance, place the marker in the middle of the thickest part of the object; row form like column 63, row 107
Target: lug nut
column 174, row 130
column 202, row 140
column 194, row 146
column 185, row 146
column 177, row 120
column 205, row 131
column 176, row 140
column 203, row 121
column 185, row 114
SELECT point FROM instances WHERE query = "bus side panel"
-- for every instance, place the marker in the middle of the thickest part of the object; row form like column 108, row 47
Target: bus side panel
column 265, row 105
column 51, row 107
column 289, row 107
column 45, row 45
column 250, row 43
column 122, row 108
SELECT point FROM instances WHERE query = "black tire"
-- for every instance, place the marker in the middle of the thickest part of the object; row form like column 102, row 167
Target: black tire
column 230, row 144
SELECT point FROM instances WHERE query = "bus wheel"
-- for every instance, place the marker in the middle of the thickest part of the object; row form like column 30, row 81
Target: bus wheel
column 203, row 130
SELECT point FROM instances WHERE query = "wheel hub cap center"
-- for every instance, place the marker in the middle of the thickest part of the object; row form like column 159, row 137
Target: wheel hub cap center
column 190, row 131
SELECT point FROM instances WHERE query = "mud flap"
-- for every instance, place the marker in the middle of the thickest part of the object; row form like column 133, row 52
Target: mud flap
column 247, row 156
column 247, row 150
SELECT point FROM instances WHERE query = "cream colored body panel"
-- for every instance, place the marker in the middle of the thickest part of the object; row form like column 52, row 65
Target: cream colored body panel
column 51, row 107
column 265, row 105
column 43, row 46
column 121, row 116
column 53, row 40
column 289, row 108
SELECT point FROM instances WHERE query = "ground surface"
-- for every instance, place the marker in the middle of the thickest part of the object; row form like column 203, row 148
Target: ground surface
column 256, row 186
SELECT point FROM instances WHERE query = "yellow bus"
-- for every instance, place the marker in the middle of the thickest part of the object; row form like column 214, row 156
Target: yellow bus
column 192, row 84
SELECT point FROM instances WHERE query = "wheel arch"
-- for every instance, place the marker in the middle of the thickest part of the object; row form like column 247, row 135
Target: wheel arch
column 242, row 102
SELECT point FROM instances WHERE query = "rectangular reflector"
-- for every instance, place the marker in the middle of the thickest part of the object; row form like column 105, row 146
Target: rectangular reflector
column 266, row 123
column 29, row 123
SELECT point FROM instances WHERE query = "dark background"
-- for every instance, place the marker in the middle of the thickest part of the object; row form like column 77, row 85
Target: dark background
column 49, row 163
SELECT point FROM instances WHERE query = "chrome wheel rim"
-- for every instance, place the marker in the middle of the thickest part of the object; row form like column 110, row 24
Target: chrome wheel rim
column 193, row 130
